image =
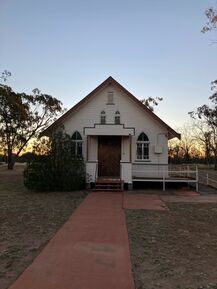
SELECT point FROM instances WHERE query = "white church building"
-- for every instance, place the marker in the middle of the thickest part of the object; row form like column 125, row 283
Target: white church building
column 117, row 136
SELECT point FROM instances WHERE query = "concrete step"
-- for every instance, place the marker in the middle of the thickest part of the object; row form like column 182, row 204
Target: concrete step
column 108, row 185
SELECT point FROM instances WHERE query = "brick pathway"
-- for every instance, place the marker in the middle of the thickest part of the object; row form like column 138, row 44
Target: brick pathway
column 90, row 251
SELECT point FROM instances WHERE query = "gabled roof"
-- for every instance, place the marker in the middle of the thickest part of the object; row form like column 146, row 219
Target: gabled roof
column 111, row 81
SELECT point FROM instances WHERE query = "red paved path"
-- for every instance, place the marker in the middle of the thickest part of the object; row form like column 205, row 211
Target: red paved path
column 89, row 252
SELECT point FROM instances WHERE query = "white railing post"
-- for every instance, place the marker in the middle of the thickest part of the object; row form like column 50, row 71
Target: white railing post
column 207, row 179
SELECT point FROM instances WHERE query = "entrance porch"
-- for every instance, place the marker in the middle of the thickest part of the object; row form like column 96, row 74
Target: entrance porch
column 109, row 154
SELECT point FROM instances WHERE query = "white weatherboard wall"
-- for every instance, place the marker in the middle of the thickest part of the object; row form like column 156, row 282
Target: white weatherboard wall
column 131, row 116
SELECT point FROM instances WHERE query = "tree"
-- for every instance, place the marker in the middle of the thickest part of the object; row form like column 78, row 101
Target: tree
column 150, row 102
column 174, row 151
column 23, row 117
column 208, row 114
column 184, row 149
column 204, row 137
column 55, row 167
column 211, row 24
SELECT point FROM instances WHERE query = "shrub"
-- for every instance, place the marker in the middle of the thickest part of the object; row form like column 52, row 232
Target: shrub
column 58, row 169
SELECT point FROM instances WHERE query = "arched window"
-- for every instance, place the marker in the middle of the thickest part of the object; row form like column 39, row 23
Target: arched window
column 77, row 145
column 103, row 117
column 117, row 117
column 143, row 147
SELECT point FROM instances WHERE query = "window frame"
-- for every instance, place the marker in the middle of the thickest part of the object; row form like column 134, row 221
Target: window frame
column 117, row 117
column 144, row 146
column 103, row 117
column 77, row 143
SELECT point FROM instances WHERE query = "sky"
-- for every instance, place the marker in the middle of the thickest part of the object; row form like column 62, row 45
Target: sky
column 152, row 47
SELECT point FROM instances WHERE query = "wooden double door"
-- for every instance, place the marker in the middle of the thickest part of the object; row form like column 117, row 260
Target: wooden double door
column 109, row 156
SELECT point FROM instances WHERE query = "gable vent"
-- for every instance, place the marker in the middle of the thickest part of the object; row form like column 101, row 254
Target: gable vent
column 110, row 97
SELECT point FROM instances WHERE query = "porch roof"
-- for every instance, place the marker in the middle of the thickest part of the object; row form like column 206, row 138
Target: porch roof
column 109, row 129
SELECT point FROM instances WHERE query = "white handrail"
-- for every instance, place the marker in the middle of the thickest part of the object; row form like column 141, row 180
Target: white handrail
column 165, row 173
column 168, row 171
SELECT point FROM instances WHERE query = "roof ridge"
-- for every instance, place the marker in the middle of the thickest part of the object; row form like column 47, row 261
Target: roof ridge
column 111, row 80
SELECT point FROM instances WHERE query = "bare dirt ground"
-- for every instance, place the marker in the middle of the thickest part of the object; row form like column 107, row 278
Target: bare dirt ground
column 174, row 249
column 27, row 221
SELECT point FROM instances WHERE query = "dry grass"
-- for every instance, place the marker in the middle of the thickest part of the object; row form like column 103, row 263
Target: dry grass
column 27, row 221
column 176, row 249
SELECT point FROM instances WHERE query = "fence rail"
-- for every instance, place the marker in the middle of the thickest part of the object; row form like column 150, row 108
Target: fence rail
column 180, row 171
column 165, row 174
column 206, row 179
